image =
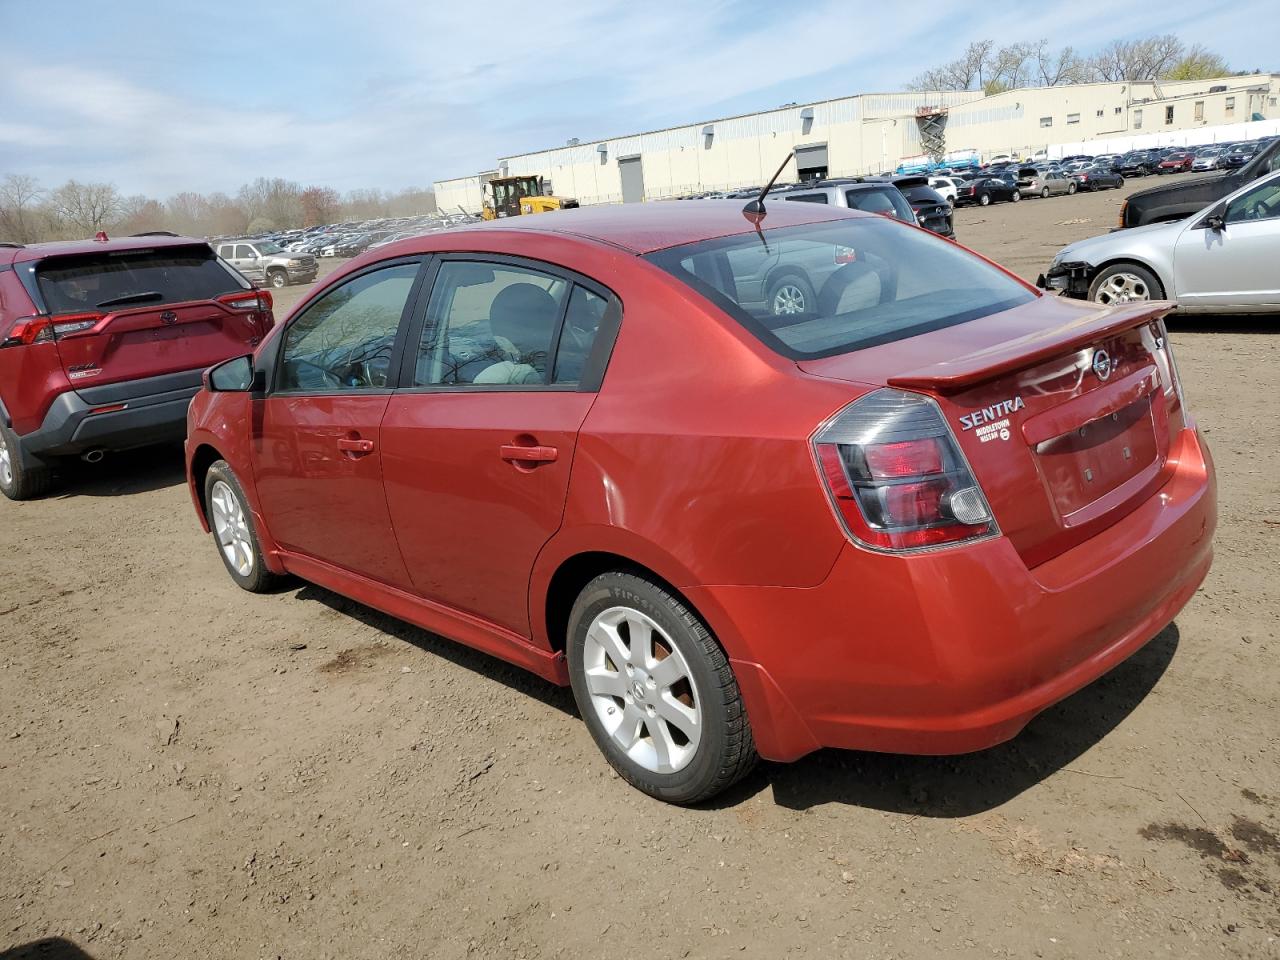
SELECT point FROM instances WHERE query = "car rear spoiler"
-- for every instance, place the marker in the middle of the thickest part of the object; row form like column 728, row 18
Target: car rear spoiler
column 979, row 367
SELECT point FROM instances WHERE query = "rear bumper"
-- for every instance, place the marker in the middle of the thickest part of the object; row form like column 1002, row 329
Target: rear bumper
column 135, row 413
column 955, row 651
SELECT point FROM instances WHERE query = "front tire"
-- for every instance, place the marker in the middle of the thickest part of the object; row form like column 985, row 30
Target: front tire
column 1071, row 188
column 234, row 533
column 1125, row 283
column 278, row 279
column 656, row 690
column 18, row 481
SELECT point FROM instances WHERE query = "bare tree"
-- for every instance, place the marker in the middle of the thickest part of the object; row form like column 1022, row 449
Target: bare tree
column 86, row 207
column 1008, row 68
column 138, row 214
column 20, row 197
column 1147, row 59
column 319, row 205
column 1053, row 69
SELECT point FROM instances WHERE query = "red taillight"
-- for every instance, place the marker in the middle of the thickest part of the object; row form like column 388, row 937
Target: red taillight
column 896, row 477
column 248, row 300
column 255, row 305
column 44, row 329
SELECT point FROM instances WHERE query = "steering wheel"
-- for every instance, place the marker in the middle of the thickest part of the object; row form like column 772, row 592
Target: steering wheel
column 312, row 376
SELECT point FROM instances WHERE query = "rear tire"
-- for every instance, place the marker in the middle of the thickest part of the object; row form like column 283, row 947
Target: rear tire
column 984, row 199
column 1015, row 196
column 1044, row 193
column 234, row 533
column 790, row 294
column 656, row 690
column 18, row 481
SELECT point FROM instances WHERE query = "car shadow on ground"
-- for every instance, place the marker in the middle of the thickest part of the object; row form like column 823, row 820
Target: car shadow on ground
column 521, row 681
column 121, row 474
column 940, row 787
column 51, row 948
column 972, row 783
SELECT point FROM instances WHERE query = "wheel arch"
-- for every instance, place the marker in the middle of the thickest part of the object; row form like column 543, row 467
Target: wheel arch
column 202, row 458
column 575, row 572
column 779, row 271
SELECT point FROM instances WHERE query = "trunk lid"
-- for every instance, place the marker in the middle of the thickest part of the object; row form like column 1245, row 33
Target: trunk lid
column 133, row 314
column 1061, row 451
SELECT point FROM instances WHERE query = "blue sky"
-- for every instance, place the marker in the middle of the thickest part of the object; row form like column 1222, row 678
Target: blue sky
column 205, row 96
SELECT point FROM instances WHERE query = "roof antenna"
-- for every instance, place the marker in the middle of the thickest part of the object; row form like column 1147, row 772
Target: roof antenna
column 754, row 211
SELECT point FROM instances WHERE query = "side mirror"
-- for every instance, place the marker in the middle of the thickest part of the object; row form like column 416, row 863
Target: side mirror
column 234, row 376
column 1215, row 222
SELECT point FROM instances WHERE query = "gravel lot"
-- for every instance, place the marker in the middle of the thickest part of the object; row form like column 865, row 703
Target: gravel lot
column 187, row 770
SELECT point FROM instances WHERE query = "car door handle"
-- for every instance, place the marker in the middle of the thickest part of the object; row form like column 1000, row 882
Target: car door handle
column 355, row 446
column 514, row 452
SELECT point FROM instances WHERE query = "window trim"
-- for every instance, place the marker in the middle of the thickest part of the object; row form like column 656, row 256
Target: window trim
column 593, row 371
column 397, row 348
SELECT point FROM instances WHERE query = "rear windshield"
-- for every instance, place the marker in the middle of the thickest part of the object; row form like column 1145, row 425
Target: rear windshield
column 821, row 289
column 922, row 195
column 133, row 278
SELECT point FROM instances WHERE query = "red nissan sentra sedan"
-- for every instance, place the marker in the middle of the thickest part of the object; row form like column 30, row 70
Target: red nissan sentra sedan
column 905, row 511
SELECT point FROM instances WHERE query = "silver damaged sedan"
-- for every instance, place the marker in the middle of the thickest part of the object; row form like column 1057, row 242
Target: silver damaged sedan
column 1224, row 259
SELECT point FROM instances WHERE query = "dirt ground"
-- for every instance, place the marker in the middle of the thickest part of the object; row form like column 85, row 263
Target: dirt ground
column 187, row 770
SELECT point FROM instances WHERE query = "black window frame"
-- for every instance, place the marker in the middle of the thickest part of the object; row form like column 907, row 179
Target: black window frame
column 593, row 371
column 276, row 361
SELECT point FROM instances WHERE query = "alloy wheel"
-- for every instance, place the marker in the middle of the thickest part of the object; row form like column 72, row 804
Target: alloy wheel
column 1122, row 288
column 642, row 690
column 231, row 528
column 6, row 462
column 788, row 299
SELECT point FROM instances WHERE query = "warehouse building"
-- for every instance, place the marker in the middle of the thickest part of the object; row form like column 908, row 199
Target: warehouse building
column 871, row 133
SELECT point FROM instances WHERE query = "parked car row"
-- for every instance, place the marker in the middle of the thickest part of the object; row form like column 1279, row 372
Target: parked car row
column 331, row 240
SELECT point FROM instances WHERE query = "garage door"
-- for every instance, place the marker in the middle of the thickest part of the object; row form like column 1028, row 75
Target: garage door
column 811, row 161
column 632, row 179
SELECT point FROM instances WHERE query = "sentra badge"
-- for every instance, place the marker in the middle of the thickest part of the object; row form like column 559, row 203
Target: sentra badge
column 991, row 423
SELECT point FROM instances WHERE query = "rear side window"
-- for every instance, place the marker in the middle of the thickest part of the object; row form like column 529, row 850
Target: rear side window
column 490, row 325
column 874, row 282
column 134, row 278
column 884, row 200
column 808, row 197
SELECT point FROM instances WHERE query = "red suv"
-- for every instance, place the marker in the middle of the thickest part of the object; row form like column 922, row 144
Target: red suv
column 102, row 343
column 907, row 518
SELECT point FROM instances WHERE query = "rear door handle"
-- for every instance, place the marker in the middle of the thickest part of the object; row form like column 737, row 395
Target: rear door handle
column 355, row 446
column 513, row 452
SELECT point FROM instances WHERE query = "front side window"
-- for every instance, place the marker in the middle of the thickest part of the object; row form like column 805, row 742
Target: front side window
column 1260, row 203
column 344, row 340
column 874, row 282
column 490, row 325
column 807, row 197
column 244, row 252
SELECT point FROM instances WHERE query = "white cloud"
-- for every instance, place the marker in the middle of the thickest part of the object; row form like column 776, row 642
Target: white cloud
column 391, row 94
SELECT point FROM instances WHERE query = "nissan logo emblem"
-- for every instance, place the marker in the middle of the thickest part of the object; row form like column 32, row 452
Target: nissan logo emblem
column 1102, row 364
